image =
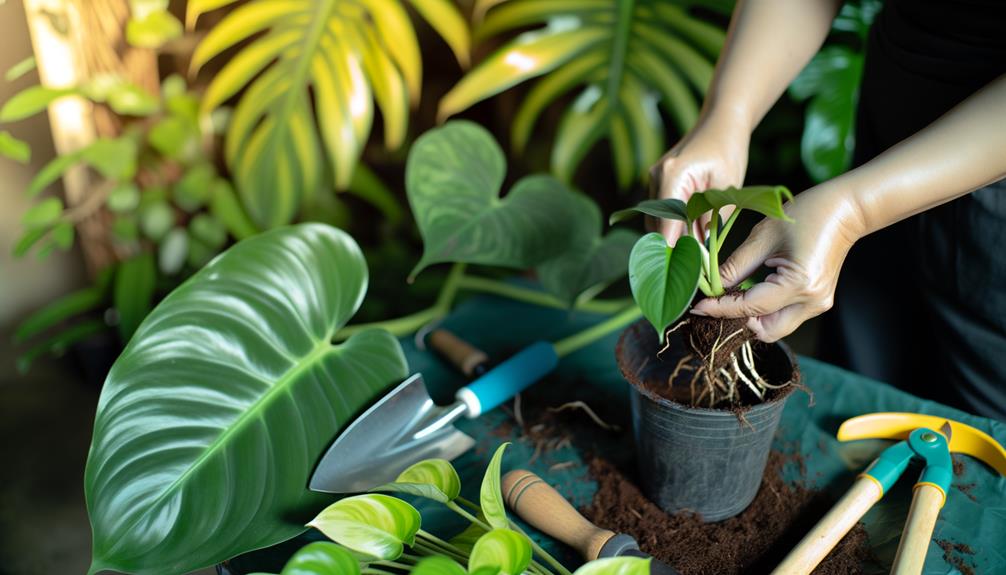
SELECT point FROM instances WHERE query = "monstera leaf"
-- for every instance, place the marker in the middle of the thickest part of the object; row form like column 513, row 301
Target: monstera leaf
column 312, row 74
column 453, row 180
column 213, row 417
column 664, row 279
column 627, row 58
column 593, row 261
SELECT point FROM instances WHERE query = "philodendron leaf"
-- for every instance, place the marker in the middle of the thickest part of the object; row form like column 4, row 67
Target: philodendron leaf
column 616, row 566
column 664, row 279
column 321, row 558
column 434, row 479
column 594, row 262
column 502, row 549
column 225, row 398
column 438, row 565
column 453, row 180
column 375, row 525
column 491, row 496
column 766, row 200
column 668, row 209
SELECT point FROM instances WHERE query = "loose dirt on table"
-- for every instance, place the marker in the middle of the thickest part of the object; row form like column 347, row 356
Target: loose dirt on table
column 953, row 553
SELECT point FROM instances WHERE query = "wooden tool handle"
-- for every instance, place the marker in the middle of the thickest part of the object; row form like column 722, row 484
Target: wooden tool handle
column 548, row 511
column 918, row 532
column 464, row 356
column 816, row 545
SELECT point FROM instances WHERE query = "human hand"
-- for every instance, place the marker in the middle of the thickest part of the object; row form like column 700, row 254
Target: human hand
column 713, row 154
column 807, row 254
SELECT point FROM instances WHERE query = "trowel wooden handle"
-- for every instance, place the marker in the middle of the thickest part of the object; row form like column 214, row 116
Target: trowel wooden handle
column 548, row 511
column 816, row 545
column 470, row 360
column 926, row 504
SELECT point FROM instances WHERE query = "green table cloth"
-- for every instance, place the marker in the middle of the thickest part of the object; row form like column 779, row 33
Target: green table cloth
column 501, row 327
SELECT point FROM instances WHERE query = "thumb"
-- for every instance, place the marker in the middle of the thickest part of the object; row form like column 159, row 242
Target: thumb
column 746, row 259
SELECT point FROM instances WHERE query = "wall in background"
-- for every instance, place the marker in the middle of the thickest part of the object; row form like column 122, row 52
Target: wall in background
column 25, row 284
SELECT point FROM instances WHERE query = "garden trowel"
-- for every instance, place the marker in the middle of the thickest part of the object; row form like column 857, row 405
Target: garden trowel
column 927, row 438
column 405, row 426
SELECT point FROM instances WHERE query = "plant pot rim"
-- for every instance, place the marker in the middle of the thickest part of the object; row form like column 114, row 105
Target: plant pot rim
column 638, row 386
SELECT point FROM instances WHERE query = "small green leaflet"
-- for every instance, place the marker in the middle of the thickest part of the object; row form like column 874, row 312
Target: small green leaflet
column 376, row 525
column 434, row 479
column 766, row 200
column 491, row 496
column 664, row 279
column 21, row 68
column 438, row 565
column 14, row 149
column 668, row 209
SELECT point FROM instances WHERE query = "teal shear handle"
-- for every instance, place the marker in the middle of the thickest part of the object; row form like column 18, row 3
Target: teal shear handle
column 924, row 443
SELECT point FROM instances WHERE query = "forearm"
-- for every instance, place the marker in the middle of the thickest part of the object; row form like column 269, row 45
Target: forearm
column 768, row 43
column 955, row 155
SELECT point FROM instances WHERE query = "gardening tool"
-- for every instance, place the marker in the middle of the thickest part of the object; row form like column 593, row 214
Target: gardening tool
column 924, row 437
column 469, row 360
column 545, row 509
column 405, row 426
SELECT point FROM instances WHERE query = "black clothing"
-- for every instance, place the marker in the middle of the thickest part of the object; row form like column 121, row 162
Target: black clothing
column 922, row 304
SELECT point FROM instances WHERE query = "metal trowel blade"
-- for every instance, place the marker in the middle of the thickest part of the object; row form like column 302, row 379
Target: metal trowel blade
column 402, row 428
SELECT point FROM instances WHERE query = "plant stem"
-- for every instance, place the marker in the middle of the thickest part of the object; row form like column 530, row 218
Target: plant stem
column 541, row 552
column 434, row 550
column 726, row 228
column 468, row 504
column 527, row 295
column 595, row 332
column 455, row 508
column 704, row 286
column 715, row 285
column 393, row 565
column 374, row 571
column 436, row 543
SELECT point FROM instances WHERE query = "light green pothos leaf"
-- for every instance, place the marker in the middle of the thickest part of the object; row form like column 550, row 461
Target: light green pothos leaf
column 467, row 538
column 616, row 566
column 225, row 398
column 766, row 200
column 438, row 565
column 664, row 279
column 502, row 549
column 453, row 180
column 322, row 558
column 373, row 524
column 434, row 479
column 593, row 262
column 491, row 495
column 667, row 208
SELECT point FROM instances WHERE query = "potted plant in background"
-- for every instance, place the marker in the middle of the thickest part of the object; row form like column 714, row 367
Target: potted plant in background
column 706, row 397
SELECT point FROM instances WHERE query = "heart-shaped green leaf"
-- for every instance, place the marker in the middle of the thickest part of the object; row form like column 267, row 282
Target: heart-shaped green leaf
column 766, row 200
column 668, row 209
column 321, row 558
column 491, row 495
column 223, row 401
column 593, row 262
column 616, row 566
column 664, row 279
column 373, row 524
column 434, row 479
column 502, row 549
column 453, row 179
column 438, row 565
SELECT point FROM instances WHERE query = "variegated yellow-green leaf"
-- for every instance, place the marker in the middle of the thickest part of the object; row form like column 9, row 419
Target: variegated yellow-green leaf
column 434, row 479
column 632, row 56
column 766, row 200
column 453, row 180
column 502, row 549
column 224, row 399
column 322, row 558
column 375, row 525
column 616, row 566
column 490, row 495
column 310, row 73
column 594, row 262
column 664, row 279
column 438, row 565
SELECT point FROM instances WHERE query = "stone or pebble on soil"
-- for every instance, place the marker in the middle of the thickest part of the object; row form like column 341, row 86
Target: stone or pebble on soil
column 753, row 542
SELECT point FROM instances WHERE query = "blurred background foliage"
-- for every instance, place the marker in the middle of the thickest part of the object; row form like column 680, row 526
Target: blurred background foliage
column 214, row 120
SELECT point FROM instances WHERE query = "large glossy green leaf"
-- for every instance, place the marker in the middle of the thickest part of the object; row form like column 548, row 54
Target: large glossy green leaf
column 616, row 566
column 490, row 494
column 502, row 549
column 453, row 180
column 664, row 279
column 310, row 72
column 630, row 58
column 438, row 565
column 433, row 479
column 375, row 525
column 593, row 262
column 766, row 200
column 212, row 419
column 322, row 558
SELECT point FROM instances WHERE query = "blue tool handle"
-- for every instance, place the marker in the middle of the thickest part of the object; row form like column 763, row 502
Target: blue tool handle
column 508, row 378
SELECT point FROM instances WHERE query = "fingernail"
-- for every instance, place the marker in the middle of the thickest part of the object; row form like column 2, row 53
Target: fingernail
column 695, row 311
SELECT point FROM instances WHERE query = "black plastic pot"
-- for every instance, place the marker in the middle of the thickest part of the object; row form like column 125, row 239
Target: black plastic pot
column 707, row 461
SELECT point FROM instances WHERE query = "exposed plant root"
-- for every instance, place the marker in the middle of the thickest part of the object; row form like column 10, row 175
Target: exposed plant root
column 561, row 466
column 682, row 366
column 518, row 416
column 590, row 413
column 711, row 382
column 667, row 340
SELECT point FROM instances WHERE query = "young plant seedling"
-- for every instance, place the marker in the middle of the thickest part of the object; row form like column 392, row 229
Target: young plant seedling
column 664, row 280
